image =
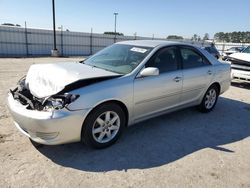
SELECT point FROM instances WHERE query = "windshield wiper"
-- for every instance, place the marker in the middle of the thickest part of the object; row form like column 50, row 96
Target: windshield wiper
column 94, row 66
column 82, row 61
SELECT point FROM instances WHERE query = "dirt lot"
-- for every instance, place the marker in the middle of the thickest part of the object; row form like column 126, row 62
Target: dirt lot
column 182, row 149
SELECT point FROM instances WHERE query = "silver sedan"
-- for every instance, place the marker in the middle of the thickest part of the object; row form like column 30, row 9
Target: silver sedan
column 128, row 82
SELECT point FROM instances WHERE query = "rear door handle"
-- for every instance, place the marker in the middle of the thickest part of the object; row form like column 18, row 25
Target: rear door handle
column 177, row 79
column 209, row 72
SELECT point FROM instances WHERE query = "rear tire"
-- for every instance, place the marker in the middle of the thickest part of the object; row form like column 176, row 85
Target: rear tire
column 103, row 126
column 210, row 99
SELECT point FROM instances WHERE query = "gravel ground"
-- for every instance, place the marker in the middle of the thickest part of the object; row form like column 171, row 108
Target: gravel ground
column 181, row 149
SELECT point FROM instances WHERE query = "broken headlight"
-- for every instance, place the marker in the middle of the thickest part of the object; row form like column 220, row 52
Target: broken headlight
column 59, row 101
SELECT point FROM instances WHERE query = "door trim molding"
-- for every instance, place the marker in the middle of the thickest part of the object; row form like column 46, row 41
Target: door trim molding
column 157, row 98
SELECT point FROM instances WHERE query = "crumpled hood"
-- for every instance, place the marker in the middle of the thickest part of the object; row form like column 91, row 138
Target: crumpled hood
column 44, row 80
column 241, row 56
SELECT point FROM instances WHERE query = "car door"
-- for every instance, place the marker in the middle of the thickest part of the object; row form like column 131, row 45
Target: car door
column 197, row 74
column 153, row 94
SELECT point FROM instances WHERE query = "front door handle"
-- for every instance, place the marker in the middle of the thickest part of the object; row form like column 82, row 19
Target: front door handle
column 177, row 79
column 209, row 72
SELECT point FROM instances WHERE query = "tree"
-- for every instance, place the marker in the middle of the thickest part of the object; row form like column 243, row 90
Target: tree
column 235, row 36
column 194, row 38
column 8, row 24
column 218, row 36
column 11, row 24
column 227, row 37
column 174, row 37
column 206, row 36
column 113, row 33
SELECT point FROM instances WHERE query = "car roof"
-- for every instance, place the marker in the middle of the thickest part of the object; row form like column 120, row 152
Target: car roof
column 150, row 43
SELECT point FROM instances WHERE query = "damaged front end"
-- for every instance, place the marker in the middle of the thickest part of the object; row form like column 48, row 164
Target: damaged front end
column 55, row 102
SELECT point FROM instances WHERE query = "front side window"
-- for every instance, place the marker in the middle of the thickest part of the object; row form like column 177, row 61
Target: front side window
column 119, row 58
column 165, row 60
column 192, row 59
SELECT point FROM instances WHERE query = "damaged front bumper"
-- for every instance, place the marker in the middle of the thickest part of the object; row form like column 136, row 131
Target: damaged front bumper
column 47, row 127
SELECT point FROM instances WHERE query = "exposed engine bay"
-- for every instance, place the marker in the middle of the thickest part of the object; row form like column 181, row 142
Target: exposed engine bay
column 22, row 94
column 54, row 102
column 47, row 86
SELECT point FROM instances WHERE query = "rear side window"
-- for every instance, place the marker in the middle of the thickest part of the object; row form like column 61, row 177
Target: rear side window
column 208, row 49
column 192, row 59
column 213, row 50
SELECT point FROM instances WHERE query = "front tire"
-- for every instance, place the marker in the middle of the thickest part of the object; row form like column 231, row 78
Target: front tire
column 35, row 144
column 103, row 126
column 210, row 99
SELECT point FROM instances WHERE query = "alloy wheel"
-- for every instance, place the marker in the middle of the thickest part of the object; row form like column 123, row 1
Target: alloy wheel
column 210, row 98
column 106, row 126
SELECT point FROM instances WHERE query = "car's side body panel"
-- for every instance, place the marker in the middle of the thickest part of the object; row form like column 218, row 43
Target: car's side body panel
column 156, row 93
column 195, row 81
column 146, row 97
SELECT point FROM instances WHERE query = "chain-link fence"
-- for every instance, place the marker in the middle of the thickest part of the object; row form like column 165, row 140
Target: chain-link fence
column 27, row 42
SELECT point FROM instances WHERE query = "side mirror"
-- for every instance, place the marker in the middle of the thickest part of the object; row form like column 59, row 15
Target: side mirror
column 149, row 71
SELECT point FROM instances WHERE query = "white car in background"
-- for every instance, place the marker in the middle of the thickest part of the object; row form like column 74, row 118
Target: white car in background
column 240, row 65
column 230, row 51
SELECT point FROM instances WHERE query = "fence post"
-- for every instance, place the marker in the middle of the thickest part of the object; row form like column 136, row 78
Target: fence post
column 61, row 40
column 202, row 44
column 91, row 42
column 26, row 40
column 223, row 47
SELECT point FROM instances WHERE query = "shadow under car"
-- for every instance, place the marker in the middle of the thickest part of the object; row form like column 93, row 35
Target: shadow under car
column 161, row 140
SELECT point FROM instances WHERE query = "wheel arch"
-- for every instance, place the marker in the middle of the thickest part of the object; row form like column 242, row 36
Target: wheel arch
column 216, row 84
column 119, row 103
column 85, row 138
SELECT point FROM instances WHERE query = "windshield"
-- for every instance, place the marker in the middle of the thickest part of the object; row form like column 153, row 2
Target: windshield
column 119, row 58
column 247, row 50
column 232, row 49
column 237, row 49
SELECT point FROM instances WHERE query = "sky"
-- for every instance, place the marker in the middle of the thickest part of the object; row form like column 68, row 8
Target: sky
column 148, row 17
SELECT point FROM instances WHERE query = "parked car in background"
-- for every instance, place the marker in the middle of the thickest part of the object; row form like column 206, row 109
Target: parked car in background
column 240, row 64
column 212, row 50
column 230, row 51
column 128, row 82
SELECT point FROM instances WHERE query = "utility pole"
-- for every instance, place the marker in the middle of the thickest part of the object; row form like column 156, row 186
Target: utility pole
column 91, row 41
column 61, row 39
column 135, row 34
column 54, row 52
column 115, row 14
column 26, row 40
